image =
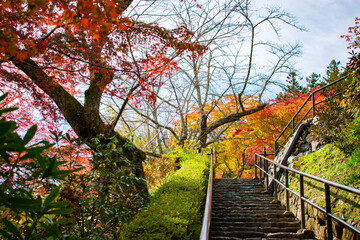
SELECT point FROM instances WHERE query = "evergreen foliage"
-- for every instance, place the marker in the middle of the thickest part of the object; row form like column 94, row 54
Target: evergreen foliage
column 25, row 169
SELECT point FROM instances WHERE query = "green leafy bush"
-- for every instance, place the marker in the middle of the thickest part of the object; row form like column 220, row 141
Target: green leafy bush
column 175, row 208
column 338, row 117
column 96, row 196
column 38, row 200
column 26, row 212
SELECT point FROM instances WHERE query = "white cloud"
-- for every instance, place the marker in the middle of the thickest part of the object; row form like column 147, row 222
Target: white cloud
column 326, row 21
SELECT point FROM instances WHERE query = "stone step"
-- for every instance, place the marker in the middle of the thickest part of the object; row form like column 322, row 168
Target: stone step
column 250, row 214
column 238, row 208
column 242, row 209
column 250, row 219
column 249, row 201
column 254, row 224
column 246, row 212
column 262, row 229
column 238, row 234
column 244, row 200
column 222, row 188
column 251, row 234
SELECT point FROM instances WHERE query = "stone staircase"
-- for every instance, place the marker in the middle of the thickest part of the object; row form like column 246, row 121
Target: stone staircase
column 241, row 209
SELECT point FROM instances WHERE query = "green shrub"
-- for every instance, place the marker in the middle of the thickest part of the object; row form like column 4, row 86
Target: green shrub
column 175, row 208
column 353, row 167
column 27, row 213
column 338, row 117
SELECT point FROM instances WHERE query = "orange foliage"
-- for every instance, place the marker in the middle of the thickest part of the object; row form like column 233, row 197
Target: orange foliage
column 157, row 169
column 253, row 132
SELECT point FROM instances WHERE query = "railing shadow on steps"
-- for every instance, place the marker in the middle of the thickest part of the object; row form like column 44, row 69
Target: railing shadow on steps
column 262, row 164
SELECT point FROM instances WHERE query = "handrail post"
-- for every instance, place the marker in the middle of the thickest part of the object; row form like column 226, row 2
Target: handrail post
column 255, row 167
column 292, row 126
column 275, row 183
column 328, row 211
column 287, row 185
column 276, row 148
column 313, row 104
column 260, row 170
column 302, row 207
column 286, row 189
column 266, row 170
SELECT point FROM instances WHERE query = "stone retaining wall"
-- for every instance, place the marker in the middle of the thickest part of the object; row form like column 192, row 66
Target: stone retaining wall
column 316, row 220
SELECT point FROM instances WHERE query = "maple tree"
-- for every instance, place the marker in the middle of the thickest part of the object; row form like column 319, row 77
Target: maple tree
column 242, row 140
column 353, row 66
column 65, row 57
column 353, row 36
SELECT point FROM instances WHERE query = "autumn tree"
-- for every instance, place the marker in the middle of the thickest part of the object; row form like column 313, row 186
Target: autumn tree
column 353, row 36
column 66, row 57
column 238, row 145
column 233, row 65
column 353, row 66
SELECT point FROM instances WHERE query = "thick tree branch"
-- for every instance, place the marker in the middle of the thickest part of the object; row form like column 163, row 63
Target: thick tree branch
column 233, row 117
column 68, row 105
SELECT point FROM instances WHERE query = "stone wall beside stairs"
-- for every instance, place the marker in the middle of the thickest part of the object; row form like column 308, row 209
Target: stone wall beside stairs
column 315, row 220
column 304, row 146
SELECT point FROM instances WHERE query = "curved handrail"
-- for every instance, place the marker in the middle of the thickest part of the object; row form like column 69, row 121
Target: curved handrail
column 291, row 123
column 205, row 229
column 299, row 132
column 327, row 185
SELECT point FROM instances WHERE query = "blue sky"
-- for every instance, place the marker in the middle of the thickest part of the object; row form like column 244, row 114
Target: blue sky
column 325, row 21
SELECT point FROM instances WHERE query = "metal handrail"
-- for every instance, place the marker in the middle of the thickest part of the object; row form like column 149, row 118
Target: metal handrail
column 264, row 161
column 291, row 123
column 205, row 229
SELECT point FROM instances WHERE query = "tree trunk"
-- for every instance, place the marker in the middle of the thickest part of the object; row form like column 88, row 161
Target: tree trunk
column 243, row 162
column 136, row 194
column 203, row 129
column 86, row 121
